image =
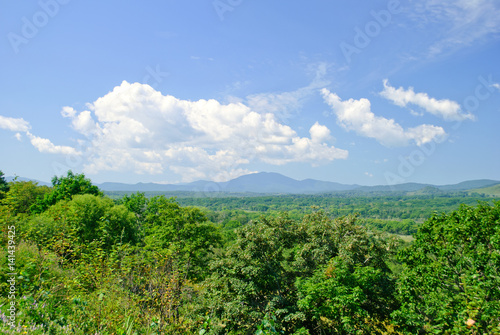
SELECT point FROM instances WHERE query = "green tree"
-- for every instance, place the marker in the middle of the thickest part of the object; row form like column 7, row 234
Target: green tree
column 451, row 277
column 80, row 221
column 183, row 231
column 346, row 299
column 63, row 188
column 22, row 195
column 249, row 279
column 4, row 186
column 136, row 203
column 14, row 207
column 259, row 274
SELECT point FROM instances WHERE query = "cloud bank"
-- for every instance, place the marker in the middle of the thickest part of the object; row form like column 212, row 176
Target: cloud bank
column 136, row 128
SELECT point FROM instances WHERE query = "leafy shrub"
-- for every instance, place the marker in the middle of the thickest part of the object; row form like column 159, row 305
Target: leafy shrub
column 451, row 279
column 260, row 273
column 79, row 221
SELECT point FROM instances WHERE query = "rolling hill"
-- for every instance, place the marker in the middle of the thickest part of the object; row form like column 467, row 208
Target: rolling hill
column 491, row 190
column 275, row 183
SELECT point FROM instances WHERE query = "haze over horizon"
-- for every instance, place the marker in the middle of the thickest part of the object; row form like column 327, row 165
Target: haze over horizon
column 271, row 176
column 368, row 93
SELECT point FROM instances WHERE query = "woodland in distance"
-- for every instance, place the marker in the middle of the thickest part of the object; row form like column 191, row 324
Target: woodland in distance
column 84, row 262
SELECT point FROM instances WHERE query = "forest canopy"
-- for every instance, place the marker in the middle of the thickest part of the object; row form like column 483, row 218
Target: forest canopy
column 85, row 263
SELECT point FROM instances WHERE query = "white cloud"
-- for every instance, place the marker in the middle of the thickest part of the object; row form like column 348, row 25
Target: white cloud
column 280, row 104
column 356, row 115
column 136, row 128
column 447, row 109
column 456, row 23
column 414, row 113
column 41, row 144
column 319, row 133
column 496, row 85
column 82, row 122
column 285, row 104
column 14, row 124
column 425, row 133
column 46, row 146
column 68, row 112
column 202, row 58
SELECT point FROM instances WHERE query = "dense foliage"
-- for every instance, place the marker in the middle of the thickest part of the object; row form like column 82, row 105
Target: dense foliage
column 396, row 213
column 452, row 273
column 64, row 188
column 275, row 262
column 387, row 206
column 87, row 264
column 4, row 186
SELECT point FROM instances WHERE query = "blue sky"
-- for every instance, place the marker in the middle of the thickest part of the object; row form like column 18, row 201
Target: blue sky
column 365, row 92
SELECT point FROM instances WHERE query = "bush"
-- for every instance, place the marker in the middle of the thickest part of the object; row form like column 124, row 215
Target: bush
column 450, row 281
column 79, row 221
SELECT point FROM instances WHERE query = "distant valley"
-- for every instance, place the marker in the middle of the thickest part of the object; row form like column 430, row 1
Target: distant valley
column 275, row 183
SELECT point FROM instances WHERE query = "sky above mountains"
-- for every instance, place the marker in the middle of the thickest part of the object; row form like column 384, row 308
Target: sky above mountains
column 358, row 92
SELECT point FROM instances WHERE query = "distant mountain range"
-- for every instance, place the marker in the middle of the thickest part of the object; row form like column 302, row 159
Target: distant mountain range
column 264, row 182
column 275, row 183
column 40, row 183
column 268, row 182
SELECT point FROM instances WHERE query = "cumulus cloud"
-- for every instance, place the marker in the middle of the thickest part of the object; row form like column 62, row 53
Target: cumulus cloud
column 356, row 115
column 319, row 133
column 14, row 124
column 136, row 128
column 447, row 109
column 46, row 146
column 496, row 85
